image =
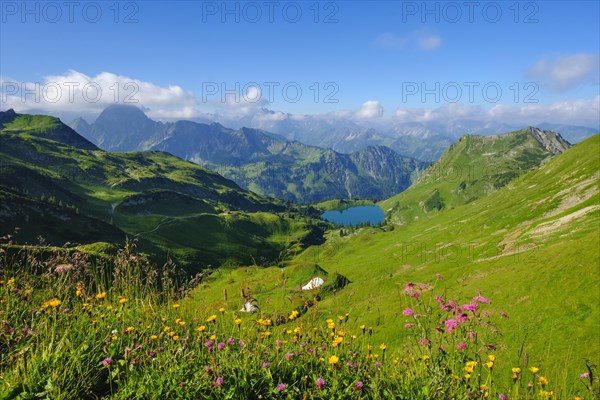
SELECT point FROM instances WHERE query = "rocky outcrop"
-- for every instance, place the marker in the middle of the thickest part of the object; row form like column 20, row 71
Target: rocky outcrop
column 552, row 141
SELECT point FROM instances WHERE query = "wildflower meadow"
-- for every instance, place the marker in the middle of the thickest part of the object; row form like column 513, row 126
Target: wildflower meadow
column 77, row 327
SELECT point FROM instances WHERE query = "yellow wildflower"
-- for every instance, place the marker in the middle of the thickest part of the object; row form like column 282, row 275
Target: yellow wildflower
column 201, row 328
column 383, row 346
column 333, row 360
column 101, row 295
column 293, row 315
column 237, row 321
column 212, row 318
column 51, row 303
column 534, row 370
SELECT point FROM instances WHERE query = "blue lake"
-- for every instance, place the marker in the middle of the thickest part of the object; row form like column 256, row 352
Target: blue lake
column 355, row 215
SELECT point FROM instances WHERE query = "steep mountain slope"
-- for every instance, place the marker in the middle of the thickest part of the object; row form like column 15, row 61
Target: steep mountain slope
column 69, row 191
column 257, row 160
column 303, row 174
column 216, row 144
column 531, row 247
column 472, row 168
column 122, row 128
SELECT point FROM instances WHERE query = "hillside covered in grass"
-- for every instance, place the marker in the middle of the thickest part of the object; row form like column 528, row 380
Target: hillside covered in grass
column 474, row 167
column 489, row 296
column 531, row 246
column 59, row 189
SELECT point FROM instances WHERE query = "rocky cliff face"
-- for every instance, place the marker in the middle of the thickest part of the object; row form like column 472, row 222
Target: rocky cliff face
column 552, row 141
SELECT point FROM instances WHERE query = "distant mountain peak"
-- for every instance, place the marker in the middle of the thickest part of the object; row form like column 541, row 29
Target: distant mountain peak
column 122, row 111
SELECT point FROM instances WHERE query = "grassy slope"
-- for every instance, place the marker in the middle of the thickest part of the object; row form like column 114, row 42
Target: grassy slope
column 473, row 167
column 532, row 247
column 136, row 192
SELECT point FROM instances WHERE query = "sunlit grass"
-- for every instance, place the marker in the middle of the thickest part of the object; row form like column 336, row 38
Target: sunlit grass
column 72, row 328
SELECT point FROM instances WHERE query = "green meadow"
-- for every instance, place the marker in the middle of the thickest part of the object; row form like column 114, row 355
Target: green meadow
column 483, row 282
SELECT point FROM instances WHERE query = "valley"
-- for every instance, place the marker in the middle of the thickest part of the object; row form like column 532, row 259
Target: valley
column 512, row 217
column 348, row 200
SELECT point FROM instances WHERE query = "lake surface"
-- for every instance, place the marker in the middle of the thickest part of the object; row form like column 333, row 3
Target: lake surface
column 355, row 215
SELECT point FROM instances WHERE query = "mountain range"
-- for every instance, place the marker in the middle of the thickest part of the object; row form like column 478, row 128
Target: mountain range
column 264, row 162
column 423, row 140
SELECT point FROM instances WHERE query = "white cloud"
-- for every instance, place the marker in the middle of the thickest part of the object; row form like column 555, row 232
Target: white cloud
column 429, row 42
column 445, row 112
column 421, row 40
column 75, row 92
column 567, row 72
column 584, row 112
column 370, row 109
column 573, row 112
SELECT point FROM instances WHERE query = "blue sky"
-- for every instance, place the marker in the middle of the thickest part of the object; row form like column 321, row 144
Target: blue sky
column 369, row 60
